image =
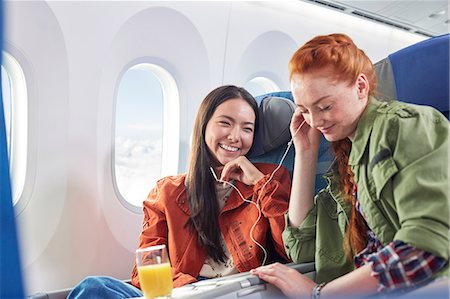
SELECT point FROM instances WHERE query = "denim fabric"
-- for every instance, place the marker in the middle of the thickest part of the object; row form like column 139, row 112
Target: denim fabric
column 103, row 287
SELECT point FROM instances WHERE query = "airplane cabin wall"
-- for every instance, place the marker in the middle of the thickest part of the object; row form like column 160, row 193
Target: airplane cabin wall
column 73, row 54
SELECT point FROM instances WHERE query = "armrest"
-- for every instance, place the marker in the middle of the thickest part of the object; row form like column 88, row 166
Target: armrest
column 57, row 294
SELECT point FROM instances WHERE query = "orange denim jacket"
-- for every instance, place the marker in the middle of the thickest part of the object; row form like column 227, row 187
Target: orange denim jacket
column 166, row 211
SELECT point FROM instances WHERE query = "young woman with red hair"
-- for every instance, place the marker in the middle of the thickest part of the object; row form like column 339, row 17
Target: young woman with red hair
column 382, row 223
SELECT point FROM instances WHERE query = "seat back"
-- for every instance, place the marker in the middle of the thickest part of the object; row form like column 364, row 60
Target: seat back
column 418, row 74
column 11, row 285
column 273, row 135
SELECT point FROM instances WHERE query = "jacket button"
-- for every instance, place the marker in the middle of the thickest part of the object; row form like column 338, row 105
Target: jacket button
column 250, row 246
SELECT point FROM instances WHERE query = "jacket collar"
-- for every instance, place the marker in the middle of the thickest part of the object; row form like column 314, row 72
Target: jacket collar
column 235, row 199
column 363, row 131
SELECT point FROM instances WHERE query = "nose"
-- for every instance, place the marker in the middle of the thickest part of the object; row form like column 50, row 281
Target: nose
column 315, row 120
column 233, row 135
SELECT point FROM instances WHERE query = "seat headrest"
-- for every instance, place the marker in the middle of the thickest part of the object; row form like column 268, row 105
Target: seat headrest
column 418, row 74
column 273, row 126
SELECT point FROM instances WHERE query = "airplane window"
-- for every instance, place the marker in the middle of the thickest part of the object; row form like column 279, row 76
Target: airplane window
column 261, row 85
column 145, row 128
column 14, row 97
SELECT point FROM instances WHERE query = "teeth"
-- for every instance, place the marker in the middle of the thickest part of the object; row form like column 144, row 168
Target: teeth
column 229, row 148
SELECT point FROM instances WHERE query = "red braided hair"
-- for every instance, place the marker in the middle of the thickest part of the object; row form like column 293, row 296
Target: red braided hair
column 356, row 234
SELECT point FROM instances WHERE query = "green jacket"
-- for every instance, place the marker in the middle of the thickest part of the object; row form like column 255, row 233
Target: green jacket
column 400, row 160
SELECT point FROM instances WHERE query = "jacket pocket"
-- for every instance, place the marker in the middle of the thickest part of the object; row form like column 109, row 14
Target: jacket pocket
column 383, row 168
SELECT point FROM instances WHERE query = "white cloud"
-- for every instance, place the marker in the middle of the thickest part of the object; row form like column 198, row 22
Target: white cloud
column 138, row 167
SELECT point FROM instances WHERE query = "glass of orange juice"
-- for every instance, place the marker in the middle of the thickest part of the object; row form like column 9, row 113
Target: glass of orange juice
column 155, row 274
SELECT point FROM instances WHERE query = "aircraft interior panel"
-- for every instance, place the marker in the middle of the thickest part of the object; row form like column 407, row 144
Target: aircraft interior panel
column 73, row 220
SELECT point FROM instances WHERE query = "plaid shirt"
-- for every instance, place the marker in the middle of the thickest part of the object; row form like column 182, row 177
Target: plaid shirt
column 397, row 265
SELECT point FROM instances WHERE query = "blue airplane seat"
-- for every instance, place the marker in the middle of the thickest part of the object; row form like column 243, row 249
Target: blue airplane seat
column 417, row 74
column 273, row 135
column 11, row 285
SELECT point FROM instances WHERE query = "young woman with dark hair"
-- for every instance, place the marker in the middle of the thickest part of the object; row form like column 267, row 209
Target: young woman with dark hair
column 382, row 223
column 208, row 228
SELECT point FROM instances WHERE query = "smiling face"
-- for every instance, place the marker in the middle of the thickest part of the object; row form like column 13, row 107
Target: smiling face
column 229, row 132
column 331, row 106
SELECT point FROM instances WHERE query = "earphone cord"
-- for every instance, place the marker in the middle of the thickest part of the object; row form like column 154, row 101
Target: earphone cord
column 261, row 192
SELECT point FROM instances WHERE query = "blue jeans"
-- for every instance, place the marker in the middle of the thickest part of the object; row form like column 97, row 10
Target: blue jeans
column 97, row 287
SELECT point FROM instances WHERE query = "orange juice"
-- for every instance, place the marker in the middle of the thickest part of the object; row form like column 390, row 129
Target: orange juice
column 155, row 280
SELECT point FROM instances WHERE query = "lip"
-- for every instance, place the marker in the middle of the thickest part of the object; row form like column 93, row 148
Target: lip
column 223, row 145
column 326, row 130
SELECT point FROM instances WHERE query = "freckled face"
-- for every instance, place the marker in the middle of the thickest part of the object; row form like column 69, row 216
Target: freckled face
column 331, row 106
column 229, row 132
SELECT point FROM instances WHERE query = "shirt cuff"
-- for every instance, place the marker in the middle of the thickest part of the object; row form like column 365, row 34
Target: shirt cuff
column 400, row 265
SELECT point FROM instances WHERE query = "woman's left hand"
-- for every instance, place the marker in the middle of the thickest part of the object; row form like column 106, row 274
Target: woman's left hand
column 288, row 280
column 241, row 169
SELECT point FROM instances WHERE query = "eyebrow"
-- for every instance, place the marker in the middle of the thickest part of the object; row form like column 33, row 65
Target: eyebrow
column 318, row 100
column 232, row 119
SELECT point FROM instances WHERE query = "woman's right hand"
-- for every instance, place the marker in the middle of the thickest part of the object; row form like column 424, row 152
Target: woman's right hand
column 289, row 281
column 307, row 142
column 305, row 138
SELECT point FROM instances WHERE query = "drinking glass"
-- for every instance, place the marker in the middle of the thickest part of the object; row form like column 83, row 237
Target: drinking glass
column 155, row 274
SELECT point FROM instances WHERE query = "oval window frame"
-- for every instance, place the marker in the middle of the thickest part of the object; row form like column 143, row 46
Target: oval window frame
column 170, row 125
column 267, row 84
column 18, row 146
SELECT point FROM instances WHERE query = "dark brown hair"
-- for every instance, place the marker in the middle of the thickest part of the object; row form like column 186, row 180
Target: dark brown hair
column 200, row 183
